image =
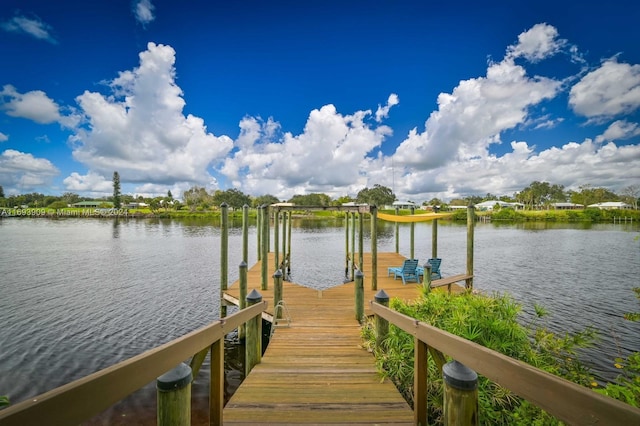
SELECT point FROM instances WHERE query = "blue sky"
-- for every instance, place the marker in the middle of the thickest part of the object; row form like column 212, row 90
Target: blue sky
column 283, row 98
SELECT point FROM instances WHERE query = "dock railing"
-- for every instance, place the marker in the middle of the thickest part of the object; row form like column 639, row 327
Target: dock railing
column 567, row 401
column 84, row 398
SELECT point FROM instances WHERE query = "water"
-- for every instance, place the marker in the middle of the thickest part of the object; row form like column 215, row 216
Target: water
column 78, row 295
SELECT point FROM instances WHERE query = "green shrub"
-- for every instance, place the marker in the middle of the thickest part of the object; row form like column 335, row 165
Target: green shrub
column 491, row 322
column 4, row 401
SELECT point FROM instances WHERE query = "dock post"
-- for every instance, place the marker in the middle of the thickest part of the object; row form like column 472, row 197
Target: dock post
column 382, row 325
column 173, row 392
column 245, row 233
column 434, row 238
column 426, row 279
column 397, row 231
column 285, row 259
column 360, row 240
column 346, row 247
column 471, row 223
column 289, row 244
column 264, row 266
column 259, row 231
column 276, row 239
column 413, row 234
column 374, row 248
column 353, row 246
column 359, row 296
column 277, row 292
column 460, row 394
column 224, row 255
column 253, row 343
column 243, row 295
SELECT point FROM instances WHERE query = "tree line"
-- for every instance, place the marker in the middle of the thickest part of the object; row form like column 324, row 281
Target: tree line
column 197, row 198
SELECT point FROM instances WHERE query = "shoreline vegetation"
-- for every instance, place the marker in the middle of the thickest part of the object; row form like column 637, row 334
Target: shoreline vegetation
column 589, row 215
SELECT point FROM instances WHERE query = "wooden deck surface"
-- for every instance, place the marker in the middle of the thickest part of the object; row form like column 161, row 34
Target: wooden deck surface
column 315, row 371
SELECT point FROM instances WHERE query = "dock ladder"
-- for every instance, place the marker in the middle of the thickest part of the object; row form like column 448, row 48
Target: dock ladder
column 282, row 311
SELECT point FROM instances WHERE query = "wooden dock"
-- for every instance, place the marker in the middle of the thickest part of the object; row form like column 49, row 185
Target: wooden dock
column 315, row 371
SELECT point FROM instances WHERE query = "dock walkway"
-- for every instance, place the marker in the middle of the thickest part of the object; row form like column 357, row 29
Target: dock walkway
column 316, row 371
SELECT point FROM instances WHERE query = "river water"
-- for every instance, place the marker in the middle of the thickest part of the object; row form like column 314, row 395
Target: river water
column 78, row 295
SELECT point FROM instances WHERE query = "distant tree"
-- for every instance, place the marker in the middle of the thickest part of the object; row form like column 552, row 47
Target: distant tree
column 117, row 202
column 588, row 195
column 342, row 200
column 70, row 198
column 196, row 196
column 1, row 192
column 629, row 194
column 378, row 195
column 169, row 195
column 264, row 200
column 234, row 198
column 57, row 205
column 539, row 194
column 315, row 199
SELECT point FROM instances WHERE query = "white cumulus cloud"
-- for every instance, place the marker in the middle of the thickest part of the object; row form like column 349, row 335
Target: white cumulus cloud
column 3, row 137
column 34, row 105
column 23, row 172
column 609, row 91
column 140, row 130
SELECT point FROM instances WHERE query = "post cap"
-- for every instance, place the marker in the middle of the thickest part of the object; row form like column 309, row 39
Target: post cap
column 175, row 379
column 359, row 274
column 243, row 264
column 459, row 376
column 381, row 296
column 278, row 274
column 254, row 296
column 223, row 205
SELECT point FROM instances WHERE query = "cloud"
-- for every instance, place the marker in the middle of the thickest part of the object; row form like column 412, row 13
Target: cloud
column 24, row 172
column 539, row 42
column 474, row 115
column 91, row 182
column 383, row 111
column 329, row 155
column 619, row 130
column 30, row 26
column 3, row 137
column 609, row 91
column 140, row 130
column 34, row 105
column 143, row 11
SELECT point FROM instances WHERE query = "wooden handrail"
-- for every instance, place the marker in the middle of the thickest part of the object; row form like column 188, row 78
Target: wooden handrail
column 84, row 398
column 569, row 402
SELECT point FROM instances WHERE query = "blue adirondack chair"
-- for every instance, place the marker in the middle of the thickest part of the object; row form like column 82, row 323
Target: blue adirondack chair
column 407, row 271
column 435, row 263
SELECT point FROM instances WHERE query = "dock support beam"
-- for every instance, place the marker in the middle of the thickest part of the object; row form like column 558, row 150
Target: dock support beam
column 460, row 395
column 374, row 248
column 224, row 255
column 434, row 238
column 471, row 222
column 382, row 325
column 413, row 234
column 277, row 293
column 253, row 344
column 359, row 296
column 353, row 246
column 245, row 233
column 397, row 231
column 264, row 267
column 242, row 270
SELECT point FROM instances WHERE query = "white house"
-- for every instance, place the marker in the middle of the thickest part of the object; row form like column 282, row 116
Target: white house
column 489, row 205
column 610, row 205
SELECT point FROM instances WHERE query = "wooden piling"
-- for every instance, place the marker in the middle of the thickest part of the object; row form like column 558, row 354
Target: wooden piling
column 374, row 248
column 382, row 325
column 470, row 227
column 426, row 279
column 359, row 295
column 412, row 235
column 253, row 343
column 360, row 240
column 243, row 295
column 434, row 238
column 353, row 246
column 289, row 244
column 264, row 267
column 276, row 239
column 173, row 391
column 245, row 233
column 259, row 219
column 460, row 395
column 346, row 247
column 285, row 258
column 224, row 255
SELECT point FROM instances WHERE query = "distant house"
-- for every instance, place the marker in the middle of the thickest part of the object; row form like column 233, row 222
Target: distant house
column 402, row 205
column 490, row 205
column 91, row 204
column 566, row 206
column 610, row 205
column 135, row 205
